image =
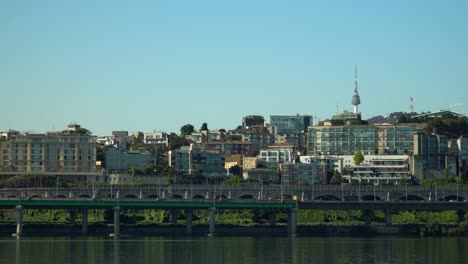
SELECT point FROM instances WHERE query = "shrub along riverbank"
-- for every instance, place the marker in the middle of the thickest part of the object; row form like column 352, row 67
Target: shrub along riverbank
column 234, row 217
column 246, row 222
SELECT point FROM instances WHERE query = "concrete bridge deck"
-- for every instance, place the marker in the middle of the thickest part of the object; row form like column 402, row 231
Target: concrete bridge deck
column 258, row 192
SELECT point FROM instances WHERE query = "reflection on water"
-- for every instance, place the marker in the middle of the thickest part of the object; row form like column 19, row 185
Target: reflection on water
column 115, row 250
column 263, row 249
column 18, row 250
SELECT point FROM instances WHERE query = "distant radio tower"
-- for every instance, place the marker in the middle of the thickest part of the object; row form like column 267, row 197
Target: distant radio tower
column 411, row 106
column 355, row 100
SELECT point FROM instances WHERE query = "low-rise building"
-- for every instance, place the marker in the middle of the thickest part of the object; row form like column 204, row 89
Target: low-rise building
column 297, row 139
column 232, row 160
column 442, row 113
column 105, row 140
column 8, row 133
column 195, row 158
column 261, row 174
column 249, row 163
column 228, row 147
column 122, row 133
column 69, row 154
column 258, row 136
column 277, row 154
column 430, row 157
column 369, row 139
column 462, row 143
column 123, row 160
column 203, row 136
column 156, row 138
column 381, row 170
column 331, row 162
column 290, row 124
column 299, row 173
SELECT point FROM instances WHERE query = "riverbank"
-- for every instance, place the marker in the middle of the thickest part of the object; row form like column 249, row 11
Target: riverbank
column 35, row 229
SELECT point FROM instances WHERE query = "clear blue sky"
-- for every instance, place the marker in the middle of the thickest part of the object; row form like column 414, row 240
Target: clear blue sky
column 157, row 65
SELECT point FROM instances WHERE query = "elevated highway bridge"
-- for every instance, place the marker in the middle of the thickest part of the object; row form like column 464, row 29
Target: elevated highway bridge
column 389, row 199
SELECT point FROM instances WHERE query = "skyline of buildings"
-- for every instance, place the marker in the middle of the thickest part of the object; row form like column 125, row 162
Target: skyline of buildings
column 394, row 152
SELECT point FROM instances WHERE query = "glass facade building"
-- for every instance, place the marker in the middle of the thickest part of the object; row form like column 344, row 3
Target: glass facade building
column 371, row 140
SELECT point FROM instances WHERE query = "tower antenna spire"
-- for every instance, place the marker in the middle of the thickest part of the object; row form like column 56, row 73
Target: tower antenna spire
column 355, row 80
column 411, row 106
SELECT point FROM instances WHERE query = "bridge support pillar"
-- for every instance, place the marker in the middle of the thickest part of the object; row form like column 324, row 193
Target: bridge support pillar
column 84, row 221
column 212, row 221
column 292, row 221
column 368, row 215
column 461, row 216
column 388, row 216
column 72, row 218
column 19, row 221
column 116, row 221
column 188, row 220
column 174, row 215
column 272, row 219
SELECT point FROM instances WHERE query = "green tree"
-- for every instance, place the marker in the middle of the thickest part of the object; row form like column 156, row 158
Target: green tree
column 175, row 141
column 186, row 130
column 83, row 131
column 77, row 129
column 204, row 127
column 235, row 170
column 137, row 140
column 157, row 153
column 358, row 157
column 233, row 181
column 100, row 153
column 337, row 122
column 235, row 138
column 253, row 152
column 453, row 127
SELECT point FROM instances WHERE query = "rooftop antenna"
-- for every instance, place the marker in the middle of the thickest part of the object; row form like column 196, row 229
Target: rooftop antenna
column 411, row 106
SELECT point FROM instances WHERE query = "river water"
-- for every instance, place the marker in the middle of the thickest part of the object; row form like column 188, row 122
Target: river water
column 234, row 249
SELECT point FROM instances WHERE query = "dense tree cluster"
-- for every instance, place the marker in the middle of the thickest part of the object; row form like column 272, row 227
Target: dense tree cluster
column 451, row 127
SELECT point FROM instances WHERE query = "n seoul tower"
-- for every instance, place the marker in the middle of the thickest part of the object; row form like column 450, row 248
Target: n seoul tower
column 356, row 100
